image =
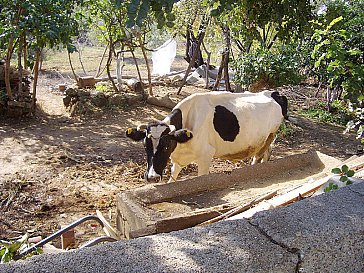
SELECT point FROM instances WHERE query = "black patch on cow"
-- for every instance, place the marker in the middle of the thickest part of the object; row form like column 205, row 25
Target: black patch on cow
column 176, row 118
column 225, row 123
column 282, row 101
column 166, row 146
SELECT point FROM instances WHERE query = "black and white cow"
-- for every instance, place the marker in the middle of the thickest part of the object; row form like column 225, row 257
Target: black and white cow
column 233, row 126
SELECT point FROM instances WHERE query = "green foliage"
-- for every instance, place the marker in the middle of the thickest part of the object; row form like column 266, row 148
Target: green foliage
column 279, row 67
column 43, row 22
column 9, row 250
column 138, row 11
column 345, row 173
column 338, row 52
column 330, row 187
column 338, row 61
column 263, row 21
column 286, row 130
column 339, row 114
column 102, row 87
column 107, row 18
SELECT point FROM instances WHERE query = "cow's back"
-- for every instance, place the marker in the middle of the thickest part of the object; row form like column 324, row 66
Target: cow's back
column 236, row 125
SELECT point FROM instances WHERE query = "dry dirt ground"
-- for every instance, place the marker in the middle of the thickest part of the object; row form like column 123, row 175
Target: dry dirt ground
column 55, row 169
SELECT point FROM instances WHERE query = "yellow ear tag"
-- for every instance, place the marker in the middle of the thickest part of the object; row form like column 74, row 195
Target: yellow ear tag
column 130, row 130
column 188, row 133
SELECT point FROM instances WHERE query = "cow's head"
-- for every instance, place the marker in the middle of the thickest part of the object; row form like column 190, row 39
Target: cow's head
column 160, row 140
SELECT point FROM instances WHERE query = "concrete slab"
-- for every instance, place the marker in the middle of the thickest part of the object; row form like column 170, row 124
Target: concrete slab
column 326, row 231
column 234, row 246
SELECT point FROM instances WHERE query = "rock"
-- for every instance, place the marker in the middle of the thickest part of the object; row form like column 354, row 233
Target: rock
column 134, row 99
column 163, row 102
column 99, row 100
column 67, row 101
column 83, row 93
column 71, row 92
column 117, row 100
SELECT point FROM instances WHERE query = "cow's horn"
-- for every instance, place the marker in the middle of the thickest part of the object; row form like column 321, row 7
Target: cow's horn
column 172, row 128
column 142, row 127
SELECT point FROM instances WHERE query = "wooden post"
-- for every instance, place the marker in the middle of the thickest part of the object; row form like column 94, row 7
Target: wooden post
column 35, row 80
column 192, row 61
column 150, row 90
column 7, row 68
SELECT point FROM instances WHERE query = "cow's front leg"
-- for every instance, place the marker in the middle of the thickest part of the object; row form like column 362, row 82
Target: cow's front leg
column 175, row 170
column 205, row 162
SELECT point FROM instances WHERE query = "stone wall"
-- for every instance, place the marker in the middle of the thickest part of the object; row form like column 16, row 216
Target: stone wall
column 20, row 104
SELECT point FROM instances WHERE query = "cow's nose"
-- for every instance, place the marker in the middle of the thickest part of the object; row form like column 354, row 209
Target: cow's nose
column 153, row 178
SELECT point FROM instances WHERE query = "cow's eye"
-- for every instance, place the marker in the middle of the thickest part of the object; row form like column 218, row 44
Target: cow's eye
column 166, row 148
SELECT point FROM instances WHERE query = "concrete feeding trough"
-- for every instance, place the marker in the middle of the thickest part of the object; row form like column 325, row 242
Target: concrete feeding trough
column 158, row 208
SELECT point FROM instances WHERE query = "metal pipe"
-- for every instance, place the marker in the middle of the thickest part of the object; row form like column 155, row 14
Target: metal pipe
column 98, row 240
column 57, row 234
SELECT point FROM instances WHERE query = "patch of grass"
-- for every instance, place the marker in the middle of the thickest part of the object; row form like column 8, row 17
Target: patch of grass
column 339, row 115
column 286, row 130
column 103, row 87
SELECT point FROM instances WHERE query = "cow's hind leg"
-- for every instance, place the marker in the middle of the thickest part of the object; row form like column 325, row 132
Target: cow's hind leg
column 264, row 153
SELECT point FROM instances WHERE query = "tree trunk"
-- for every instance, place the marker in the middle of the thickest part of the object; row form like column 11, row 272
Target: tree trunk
column 72, row 69
column 35, row 79
column 195, row 54
column 119, row 67
column 192, row 61
column 80, row 58
column 226, row 61
column 7, row 68
column 136, row 64
column 224, row 65
column 108, row 63
column 188, row 42
column 219, row 73
column 20, row 66
column 207, row 65
column 25, row 51
column 226, row 72
column 99, row 72
column 192, row 46
column 150, row 91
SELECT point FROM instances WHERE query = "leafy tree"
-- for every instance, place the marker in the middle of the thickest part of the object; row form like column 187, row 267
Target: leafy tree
column 139, row 10
column 338, row 52
column 339, row 55
column 31, row 25
column 258, row 30
column 264, row 21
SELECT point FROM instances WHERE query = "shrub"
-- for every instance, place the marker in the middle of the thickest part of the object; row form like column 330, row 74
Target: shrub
column 339, row 55
column 278, row 67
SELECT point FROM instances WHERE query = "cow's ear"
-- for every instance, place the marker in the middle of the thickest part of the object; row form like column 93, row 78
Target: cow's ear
column 135, row 134
column 182, row 135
